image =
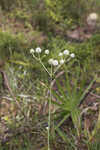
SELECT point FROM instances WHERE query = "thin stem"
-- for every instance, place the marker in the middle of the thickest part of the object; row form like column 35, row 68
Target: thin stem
column 49, row 112
column 45, row 68
column 39, row 59
column 57, row 68
column 49, row 115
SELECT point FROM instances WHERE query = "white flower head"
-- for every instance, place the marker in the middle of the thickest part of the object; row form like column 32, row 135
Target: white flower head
column 32, row 50
column 93, row 16
column 72, row 55
column 60, row 54
column 38, row 50
column 62, row 61
column 92, row 19
column 50, row 61
column 47, row 128
column 25, row 72
column 55, row 63
column 46, row 51
column 66, row 52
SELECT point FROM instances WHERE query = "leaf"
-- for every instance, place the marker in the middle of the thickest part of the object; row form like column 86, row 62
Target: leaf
column 62, row 121
column 87, row 90
column 61, row 90
column 60, row 105
column 97, row 126
column 65, row 138
column 18, row 62
column 57, row 96
column 76, row 118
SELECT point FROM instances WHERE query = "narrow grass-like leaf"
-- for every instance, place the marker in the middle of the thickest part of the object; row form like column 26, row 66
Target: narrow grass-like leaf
column 87, row 90
column 68, row 85
column 61, row 90
column 97, row 127
column 62, row 121
column 56, row 103
column 65, row 138
column 75, row 115
column 57, row 96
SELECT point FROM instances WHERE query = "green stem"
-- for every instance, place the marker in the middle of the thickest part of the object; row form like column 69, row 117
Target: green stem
column 45, row 68
column 49, row 115
column 39, row 60
column 49, row 111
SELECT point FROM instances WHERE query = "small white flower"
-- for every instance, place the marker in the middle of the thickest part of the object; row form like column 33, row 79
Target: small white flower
column 50, row 61
column 55, row 63
column 60, row 54
column 66, row 52
column 25, row 72
column 62, row 61
column 47, row 128
column 32, row 50
column 92, row 19
column 38, row 50
column 72, row 55
column 46, row 51
column 93, row 16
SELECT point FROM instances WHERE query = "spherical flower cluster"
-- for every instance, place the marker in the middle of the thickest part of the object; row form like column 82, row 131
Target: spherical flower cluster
column 62, row 61
column 53, row 62
column 47, row 128
column 46, row 51
column 92, row 19
column 72, row 55
column 60, row 54
column 50, row 61
column 66, row 52
column 38, row 50
column 32, row 50
column 93, row 16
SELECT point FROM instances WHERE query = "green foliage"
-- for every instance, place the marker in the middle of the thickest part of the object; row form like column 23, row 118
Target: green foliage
column 21, row 14
column 7, row 43
column 70, row 11
column 54, row 9
column 39, row 17
column 96, row 45
column 6, row 5
column 69, row 94
column 24, row 73
column 11, row 4
column 84, row 51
